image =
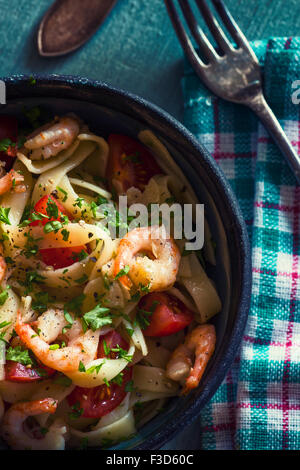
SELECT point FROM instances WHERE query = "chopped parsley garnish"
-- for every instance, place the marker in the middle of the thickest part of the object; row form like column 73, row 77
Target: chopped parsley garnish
column 69, row 320
column 65, row 233
column 40, row 302
column 142, row 318
column 122, row 272
column 52, row 209
column 18, row 355
column 93, row 207
column 5, row 144
column 77, row 411
column 31, row 248
column 97, row 317
column 53, row 226
column 106, row 282
column 135, row 297
column 75, row 304
column 121, row 353
column 53, row 347
column 106, row 348
column 32, row 80
column 82, row 279
column 118, row 379
column 106, row 382
column 4, row 212
column 64, row 193
column 78, row 203
column 130, row 331
column 3, row 295
column 32, row 277
column 81, row 367
column 79, row 256
column 93, row 369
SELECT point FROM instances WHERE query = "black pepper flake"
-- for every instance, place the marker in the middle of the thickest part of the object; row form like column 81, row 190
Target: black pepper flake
column 90, row 235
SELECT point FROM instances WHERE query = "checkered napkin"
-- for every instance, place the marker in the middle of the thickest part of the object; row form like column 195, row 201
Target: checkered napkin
column 258, row 404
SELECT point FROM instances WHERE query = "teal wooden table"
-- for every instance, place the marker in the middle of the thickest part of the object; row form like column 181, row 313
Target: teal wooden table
column 137, row 50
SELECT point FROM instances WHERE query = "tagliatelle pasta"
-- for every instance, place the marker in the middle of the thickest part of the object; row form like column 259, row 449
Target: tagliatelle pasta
column 102, row 310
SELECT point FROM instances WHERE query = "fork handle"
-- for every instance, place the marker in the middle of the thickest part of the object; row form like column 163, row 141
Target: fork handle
column 261, row 108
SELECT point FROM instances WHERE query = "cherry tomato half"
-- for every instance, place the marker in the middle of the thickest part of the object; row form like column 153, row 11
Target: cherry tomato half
column 41, row 208
column 17, row 372
column 99, row 401
column 56, row 257
column 8, row 130
column 111, row 340
column 168, row 315
column 129, row 164
column 61, row 257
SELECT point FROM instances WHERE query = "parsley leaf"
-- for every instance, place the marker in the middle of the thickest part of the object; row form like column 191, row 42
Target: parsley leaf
column 79, row 256
column 5, row 144
column 122, row 353
column 93, row 369
column 4, row 295
column 18, row 355
column 97, row 317
column 142, row 318
column 32, row 277
column 69, row 320
column 40, row 302
column 77, row 411
column 75, row 304
column 53, row 226
column 52, row 209
column 65, row 233
column 79, row 201
column 82, row 279
column 4, row 212
column 122, row 272
column 64, row 192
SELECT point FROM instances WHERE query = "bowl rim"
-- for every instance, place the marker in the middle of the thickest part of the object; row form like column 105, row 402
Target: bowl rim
column 156, row 113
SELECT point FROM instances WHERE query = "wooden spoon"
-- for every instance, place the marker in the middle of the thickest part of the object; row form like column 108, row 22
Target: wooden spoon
column 68, row 24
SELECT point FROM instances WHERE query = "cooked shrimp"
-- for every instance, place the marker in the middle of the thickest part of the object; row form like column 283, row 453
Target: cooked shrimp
column 3, row 265
column 82, row 348
column 13, row 429
column 12, row 180
column 199, row 343
column 48, row 141
column 158, row 273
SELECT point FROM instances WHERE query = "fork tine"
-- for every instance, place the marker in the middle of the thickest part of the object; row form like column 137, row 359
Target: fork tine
column 231, row 25
column 201, row 39
column 183, row 37
column 214, row 26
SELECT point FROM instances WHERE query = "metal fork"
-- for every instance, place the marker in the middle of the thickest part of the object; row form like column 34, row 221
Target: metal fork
column 231, row 73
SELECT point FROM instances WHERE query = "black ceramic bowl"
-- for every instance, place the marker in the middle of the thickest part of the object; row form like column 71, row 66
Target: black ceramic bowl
column 106, row 110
